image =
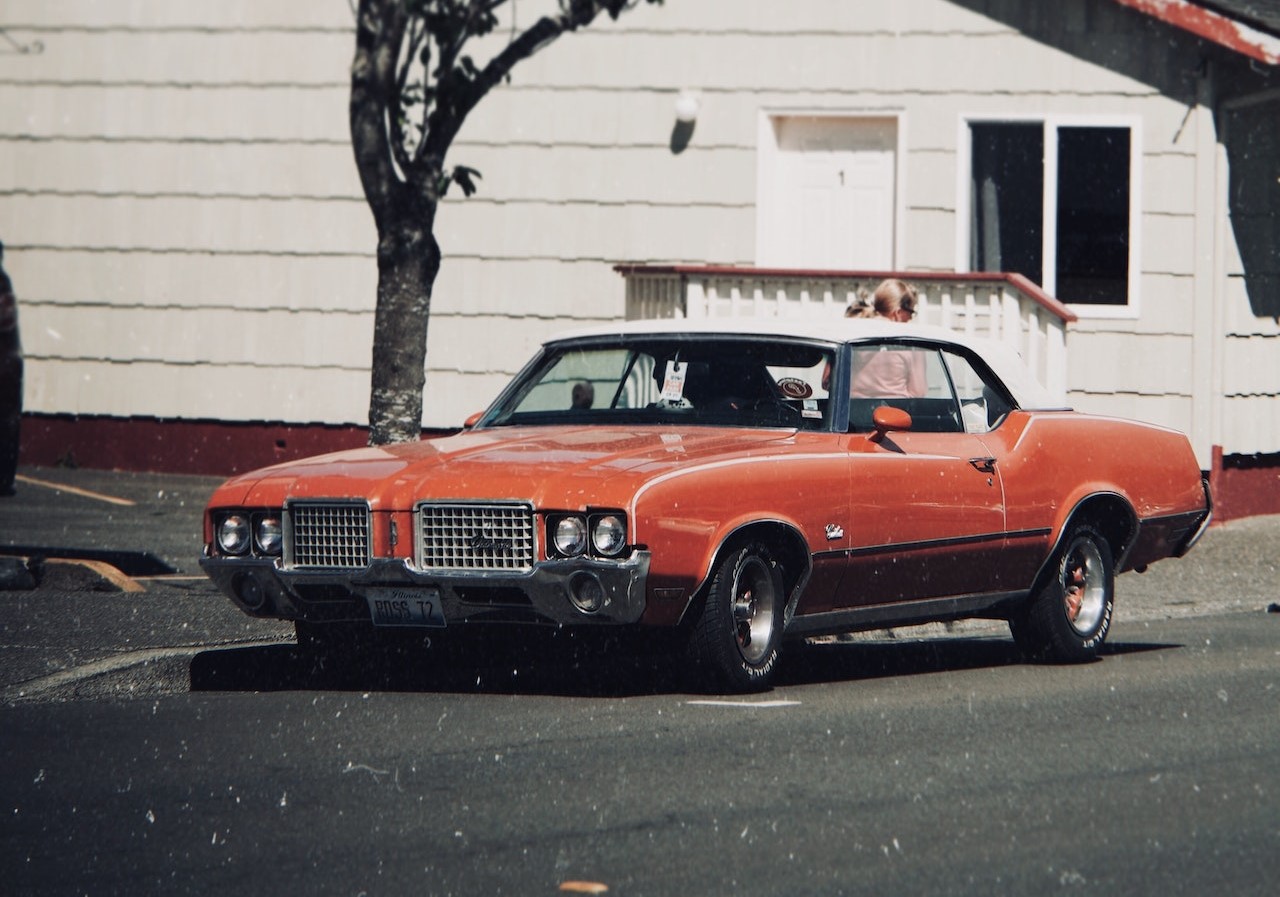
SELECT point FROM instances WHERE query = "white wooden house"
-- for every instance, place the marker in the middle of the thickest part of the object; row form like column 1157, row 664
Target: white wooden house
column 195, row 264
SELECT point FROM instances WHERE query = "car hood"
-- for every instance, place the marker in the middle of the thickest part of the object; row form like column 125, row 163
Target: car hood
column 563, row 467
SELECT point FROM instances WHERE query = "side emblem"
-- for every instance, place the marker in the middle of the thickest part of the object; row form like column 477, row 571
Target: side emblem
column 834, row 531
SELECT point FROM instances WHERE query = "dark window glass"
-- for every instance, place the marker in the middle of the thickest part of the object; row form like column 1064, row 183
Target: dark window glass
column 1008, row 199
column 1091, row 250
column 1093, row 215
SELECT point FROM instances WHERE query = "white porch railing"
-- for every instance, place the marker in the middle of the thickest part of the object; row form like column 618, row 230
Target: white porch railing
column 1004, row 307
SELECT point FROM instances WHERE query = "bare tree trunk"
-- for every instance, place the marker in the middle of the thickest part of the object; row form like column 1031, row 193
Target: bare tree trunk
column 404, row 214
column 408, row 261
column 403, row 177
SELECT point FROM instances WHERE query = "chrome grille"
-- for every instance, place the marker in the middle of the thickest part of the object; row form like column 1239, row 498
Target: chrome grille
column 475, row 537
column 329, row 535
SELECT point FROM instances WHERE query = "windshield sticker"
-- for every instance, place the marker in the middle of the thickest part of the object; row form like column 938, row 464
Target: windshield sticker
column 810, row 410
column 794, row 388
column 673, row 383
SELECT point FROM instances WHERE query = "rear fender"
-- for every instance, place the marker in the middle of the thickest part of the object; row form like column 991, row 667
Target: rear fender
column 1111, row 514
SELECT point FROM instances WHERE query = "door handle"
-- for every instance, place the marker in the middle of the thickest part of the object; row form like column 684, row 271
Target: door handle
column 983, row 465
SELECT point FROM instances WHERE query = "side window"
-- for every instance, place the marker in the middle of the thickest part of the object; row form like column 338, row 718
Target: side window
column 910, row 377
column 890, row 371
column 982, row 405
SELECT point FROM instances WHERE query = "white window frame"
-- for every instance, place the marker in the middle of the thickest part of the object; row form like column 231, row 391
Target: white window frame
column 1049, row 251
column 767, row 157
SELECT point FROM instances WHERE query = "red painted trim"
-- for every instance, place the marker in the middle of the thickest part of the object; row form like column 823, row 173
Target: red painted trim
column 1212, row 26
column 1244, row 485
column 215, row 448
column 1017, row 281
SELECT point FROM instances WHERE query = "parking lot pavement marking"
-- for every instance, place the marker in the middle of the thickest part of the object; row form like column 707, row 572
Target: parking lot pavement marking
column 753, row 705
column 84, row 493
column 35, row 688
column 106, row 571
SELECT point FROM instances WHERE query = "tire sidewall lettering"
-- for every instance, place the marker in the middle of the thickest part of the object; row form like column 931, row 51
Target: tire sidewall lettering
column 1103, row 627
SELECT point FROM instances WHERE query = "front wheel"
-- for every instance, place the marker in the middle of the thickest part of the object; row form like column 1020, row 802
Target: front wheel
column 1068, row 619
column 736, row 638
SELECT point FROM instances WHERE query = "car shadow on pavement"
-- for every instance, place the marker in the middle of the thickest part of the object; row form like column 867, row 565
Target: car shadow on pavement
column 848, row 661
column 290, row 668
column 594, row 672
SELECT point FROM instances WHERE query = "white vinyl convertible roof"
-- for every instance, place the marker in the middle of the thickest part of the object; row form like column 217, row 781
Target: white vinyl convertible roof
column 1003, row 360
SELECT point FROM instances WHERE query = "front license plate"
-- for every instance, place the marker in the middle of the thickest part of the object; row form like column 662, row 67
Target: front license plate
column 405, row 607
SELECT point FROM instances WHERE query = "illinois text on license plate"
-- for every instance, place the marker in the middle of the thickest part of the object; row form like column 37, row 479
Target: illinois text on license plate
column 405, row 607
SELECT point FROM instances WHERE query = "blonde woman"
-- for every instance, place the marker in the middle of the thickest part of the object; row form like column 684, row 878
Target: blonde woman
column 890, row 373
column 895, row 299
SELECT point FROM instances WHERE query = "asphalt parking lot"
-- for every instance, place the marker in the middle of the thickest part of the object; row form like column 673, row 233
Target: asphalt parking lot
column 911, row 765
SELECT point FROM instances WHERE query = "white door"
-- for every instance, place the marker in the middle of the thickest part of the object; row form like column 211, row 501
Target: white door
column 827, row 197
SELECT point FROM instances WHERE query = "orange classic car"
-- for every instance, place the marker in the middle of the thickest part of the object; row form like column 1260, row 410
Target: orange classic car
column 736, row 483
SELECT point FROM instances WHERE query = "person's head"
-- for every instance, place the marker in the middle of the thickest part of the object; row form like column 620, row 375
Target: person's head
column 859, row 309
column 584, row 395
column 895, row 299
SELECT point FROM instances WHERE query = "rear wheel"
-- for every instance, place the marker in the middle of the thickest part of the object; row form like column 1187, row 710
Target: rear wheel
column 1068, row 619
column 736, row 638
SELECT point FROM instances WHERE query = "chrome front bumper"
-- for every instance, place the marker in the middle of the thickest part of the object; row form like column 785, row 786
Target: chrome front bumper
column 263, row 587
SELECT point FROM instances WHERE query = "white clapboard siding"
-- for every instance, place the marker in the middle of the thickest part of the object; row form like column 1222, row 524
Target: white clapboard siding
column 1144, row 364
column 208, row 392
column 210, row 336
column 1166, row 411
column 173, row 14
column 139, row 168
column 195, row 57
column 181, row 208
column 176, row 224
column 191, row 279
column 1241, row 320
column 1253, row 422
column 201, row 117
column 1251, row 366
column 613, row 175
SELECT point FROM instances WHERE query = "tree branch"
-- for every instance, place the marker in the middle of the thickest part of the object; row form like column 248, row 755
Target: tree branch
column 448, row 117
column 380, row 27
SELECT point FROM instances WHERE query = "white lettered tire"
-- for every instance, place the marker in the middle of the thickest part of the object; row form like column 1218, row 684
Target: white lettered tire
column 1068, row 618
column 736, row 639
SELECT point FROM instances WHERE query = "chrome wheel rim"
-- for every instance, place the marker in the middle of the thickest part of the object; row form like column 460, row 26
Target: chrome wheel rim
column 1084, row 587
column 753, row 609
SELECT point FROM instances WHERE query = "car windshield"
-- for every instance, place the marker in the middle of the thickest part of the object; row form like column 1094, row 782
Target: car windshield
column 707, row 381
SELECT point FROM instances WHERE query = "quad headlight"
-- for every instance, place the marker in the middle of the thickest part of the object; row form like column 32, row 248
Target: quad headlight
column 609, row 535
column 268, row 534
column 601, row 535
column 248, row 531
column 233, row 534
column 570, row 536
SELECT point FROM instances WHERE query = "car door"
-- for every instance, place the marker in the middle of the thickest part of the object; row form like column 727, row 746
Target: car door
column 927, row 508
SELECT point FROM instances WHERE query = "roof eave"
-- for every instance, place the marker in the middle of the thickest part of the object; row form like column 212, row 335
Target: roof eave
column 1213, row 27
